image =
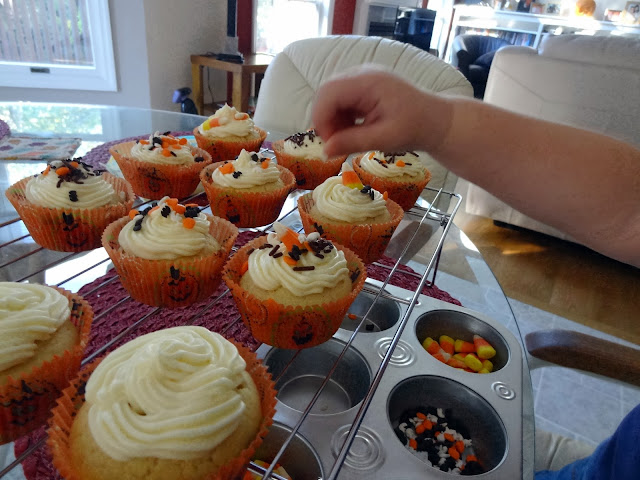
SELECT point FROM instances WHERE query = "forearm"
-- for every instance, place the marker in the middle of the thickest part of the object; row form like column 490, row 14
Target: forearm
column 531, row 164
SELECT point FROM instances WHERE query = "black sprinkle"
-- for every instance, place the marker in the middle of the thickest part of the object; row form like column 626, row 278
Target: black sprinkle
column 137, row 227
column 371, row 194
column 191, row 212
column 198, row 159
column 274, row 250
column 354, row 276
column 166, row 210
column 265, row 245
column 73, row 195
column 277, row 255
column 299, row 138
column 168, row 132
column 173, row 153
column 255, row 157
column 318, row 228
column 304, row 269
column 319, row 255
column 157, row 140
column 237, row 174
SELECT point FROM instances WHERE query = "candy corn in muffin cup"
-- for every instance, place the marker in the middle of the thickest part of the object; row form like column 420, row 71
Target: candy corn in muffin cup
column 227, row 132
column 303, row 154
column 169, row 254
column 68, row 206
column 402, row 174
column 293, row 290
column 44, row 331
column 344, row 210
column 160, row 166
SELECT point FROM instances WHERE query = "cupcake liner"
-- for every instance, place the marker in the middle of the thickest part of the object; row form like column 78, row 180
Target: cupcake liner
column 369, row 240
column 309, row 172
column 221, row 149
column 404, row 194
column 72, row 399
column 156, row 180
column 69, row 229
column 288, row 326
column 171, row 283
column 246, row 209
column 26, row 402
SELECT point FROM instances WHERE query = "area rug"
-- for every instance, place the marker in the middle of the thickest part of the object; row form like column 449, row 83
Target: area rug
column 37, row 148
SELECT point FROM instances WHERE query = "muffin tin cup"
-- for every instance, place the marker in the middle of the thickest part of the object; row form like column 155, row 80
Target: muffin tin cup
column 289, row 326
column 404, row 194
column 309, row 172
column 171, row 283
column 488, row 407
column 242, row 208
column 72, row 399
column 369, row 240
column 221, row 149
column 70, row 229
column 26, row 401
column 156, row 180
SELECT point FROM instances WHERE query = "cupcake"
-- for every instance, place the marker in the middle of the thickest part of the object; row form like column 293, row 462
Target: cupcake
column 68, row 205
column 43, row 334
column 293, row 290
column 227, row 132
column 343, row 210
column 248, row 191
column 161, row 166
column 169, row 255
column 402, row 175
column 304, row 155
column 182, row 402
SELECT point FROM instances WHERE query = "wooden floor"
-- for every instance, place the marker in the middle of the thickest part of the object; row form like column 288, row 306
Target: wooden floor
column 560, row 277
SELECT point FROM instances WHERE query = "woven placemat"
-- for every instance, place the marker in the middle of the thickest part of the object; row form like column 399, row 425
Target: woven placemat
column 222, row 317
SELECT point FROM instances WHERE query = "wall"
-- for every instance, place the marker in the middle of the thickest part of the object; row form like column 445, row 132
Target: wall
column 153, row 40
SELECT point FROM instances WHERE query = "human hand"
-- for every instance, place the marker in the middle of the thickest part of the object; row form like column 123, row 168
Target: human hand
column 369, row 108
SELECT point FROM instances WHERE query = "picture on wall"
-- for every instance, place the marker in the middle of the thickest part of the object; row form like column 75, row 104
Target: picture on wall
column 631, row 12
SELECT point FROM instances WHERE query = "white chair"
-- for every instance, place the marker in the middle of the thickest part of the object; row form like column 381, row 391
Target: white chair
column 287, row 91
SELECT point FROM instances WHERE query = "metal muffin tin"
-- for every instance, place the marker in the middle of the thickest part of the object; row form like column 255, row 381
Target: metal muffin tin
column 488, row 405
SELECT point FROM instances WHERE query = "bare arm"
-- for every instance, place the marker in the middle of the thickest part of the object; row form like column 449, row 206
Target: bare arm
column 583, row 183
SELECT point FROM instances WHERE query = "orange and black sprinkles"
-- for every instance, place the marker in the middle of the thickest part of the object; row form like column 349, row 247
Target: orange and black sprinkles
column 190, row 211
column 299, row 138
column 228, row 168
column 72, row 171
column 391, row 158
column 166, row 142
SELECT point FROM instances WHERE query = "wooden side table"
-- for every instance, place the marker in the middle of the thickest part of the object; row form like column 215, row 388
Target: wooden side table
column 242, row 72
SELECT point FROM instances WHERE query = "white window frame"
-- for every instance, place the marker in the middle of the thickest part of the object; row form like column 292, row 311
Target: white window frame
column 101, row 76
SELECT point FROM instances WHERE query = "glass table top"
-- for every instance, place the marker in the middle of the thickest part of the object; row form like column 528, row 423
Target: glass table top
column 459, row 268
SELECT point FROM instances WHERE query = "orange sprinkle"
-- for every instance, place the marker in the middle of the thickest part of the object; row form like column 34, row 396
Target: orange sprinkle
column 166, row 152
column 47, row 170
column 471, row 458
column 74, row 164
column 165, row 144
column 243, row 117
column 459, row 446
column 190, row 204
column 172, row 202
column 454, row 453
column 352, row 316
column 371, row 155
column 427, row 424
column 289, row 261
column 290, row 239
column 144, row 142
column 265, row 164
column 419, row 428
column 188, row 223
column 400, row 163
column 385, row 195
column 448, row 437
column 245, row 266
column 413, row 444
column 227, row 168
column 154, row 209
column 180, row 209
column 62, row 171
column 182, row 141
column 421, row 416
column 133, row 213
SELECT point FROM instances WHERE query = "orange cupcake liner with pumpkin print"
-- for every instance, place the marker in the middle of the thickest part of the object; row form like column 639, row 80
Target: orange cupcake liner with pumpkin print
column 309, row 172
column 404, row 194
column 72, row 399
column 155, row 180
column 26, row 402
column 369, row 240
column 288, row 326
column 69, row 229
column 221, row 149
column 246, row 209
column 171, row 283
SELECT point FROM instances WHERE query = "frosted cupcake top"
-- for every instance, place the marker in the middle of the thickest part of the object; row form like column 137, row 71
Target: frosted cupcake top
column 247, row 171
column 344, row 198
column 167, row 394
column 29, row 313
column 71, row 184
column 166, row 231
column 164, row 149
column 393, row 165
column 227, row 122
column 302, row 264
column 305, row 144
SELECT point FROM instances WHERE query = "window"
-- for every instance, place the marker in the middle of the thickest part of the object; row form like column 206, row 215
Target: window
column 56, row 44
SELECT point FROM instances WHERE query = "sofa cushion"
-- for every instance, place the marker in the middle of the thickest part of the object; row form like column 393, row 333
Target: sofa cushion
column 486, row 59
column 613, row 51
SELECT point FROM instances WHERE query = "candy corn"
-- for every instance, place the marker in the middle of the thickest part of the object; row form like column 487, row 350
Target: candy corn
column 350, row 177
column 464, row 347
column 483, row 348
column 473, row 362
column 447, row 344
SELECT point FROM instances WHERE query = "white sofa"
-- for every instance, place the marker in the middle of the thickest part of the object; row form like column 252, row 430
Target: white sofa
column 589, row 82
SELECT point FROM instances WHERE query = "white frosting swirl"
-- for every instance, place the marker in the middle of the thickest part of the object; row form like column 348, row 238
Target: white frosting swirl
column 252, row 172
column 226, row 122
column 80, row 188
column 29, row 313
column 340, row 202
column 271, row 272
column 395, row 164
column 163, row 149
column 167, row 394
column 305, row 144
column 161, row 237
